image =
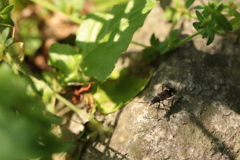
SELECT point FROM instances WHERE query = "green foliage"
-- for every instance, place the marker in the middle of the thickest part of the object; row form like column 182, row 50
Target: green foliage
column 29, row 32
column 214, row 18
column 5, row 10
column 103, row 36
column 5, row 42
column 26, row 121
column 118, row 90
column 25, row 101
column 66, row 59
column 25, row 128
column 158, row 47
column 180, row 10
column 211, row 20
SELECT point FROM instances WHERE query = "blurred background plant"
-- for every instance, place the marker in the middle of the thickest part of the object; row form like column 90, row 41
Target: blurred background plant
column 51, row 72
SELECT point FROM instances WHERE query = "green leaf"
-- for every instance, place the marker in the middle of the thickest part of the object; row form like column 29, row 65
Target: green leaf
column 188, row 3
column 8, row 42
column 7, row 10
column 4, row 34
column 210, row 39
column 222, row 20
column 103, row 36
column 205, row 35
column 154, row 40
column 120, row 89
column 196, row 25
column 209, row 32
column 199, row 16
column 235, row 23
column 64, row 57
column 199, row 7
column 235, row 13
column 173, row 34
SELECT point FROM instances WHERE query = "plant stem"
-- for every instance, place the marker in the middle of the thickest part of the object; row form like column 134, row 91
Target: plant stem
column 139, row 44
column 81, row 113
column 187, row 39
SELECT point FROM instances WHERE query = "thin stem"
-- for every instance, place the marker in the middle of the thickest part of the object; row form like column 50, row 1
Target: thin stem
column 188, row 38
column 81, row 113
column 139, row 44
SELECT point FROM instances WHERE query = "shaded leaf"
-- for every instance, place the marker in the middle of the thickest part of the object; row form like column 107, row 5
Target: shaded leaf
column 154, row 40
column 222, row 20
column 188, row 3
column 199, row 7
column 210, row 39
column 120, row 89
column 199, row 16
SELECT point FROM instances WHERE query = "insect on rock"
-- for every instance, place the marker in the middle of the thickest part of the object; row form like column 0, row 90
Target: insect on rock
column 160, row 97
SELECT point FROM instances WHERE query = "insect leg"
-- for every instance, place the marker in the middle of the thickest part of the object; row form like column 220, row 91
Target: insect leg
column 163, row 86
column 158, row 108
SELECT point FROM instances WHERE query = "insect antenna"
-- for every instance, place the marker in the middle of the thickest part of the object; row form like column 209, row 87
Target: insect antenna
column 141, row 101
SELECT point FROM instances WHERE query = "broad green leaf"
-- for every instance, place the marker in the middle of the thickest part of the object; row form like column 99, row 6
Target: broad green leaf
column 7, row 10
column 103, row 36
column 121, row 88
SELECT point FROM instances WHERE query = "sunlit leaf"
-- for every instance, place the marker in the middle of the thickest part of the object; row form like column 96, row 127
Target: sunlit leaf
column 103, row 36
column 64, row 57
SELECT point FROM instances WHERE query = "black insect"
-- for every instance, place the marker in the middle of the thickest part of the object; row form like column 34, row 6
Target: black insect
column 160, row 97
column 165, row 94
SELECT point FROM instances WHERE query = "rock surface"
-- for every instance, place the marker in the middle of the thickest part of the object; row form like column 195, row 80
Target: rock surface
column 203, row 121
